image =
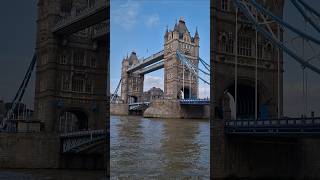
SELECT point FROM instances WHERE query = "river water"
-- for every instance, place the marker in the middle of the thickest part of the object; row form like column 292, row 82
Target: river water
column 144, row 148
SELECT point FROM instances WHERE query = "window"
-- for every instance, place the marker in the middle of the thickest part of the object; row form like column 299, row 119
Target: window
column 63, row 59
column 89, row 86
column 77, row 84
column 78, row 58
column 225, row 5
column 92, row 62
column 227, row 43
column 65, row 82
column 268, row 51
column 244, row 45
column 260, row 50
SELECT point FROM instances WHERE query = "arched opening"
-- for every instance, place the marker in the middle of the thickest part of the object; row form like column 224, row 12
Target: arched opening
column 245, row 101
column 73, row 120
column 186, row 93
column 132, row 99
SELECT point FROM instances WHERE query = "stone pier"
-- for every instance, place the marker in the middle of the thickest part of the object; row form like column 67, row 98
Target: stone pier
column 166, row 108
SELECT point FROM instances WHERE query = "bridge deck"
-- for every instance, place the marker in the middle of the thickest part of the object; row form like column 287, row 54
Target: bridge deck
column 288, row 127
column 195, row 101
column 88, row 17
column 148, row 61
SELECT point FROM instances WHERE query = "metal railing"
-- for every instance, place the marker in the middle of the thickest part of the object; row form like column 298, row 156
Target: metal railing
column 78, row 14
column 292, row 126
column 195, row 101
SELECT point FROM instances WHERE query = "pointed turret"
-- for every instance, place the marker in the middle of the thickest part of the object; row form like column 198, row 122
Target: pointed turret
column 166, row 34
column 196, row 37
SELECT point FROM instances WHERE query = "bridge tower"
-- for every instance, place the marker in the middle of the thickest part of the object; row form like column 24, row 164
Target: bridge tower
column 176, row 80
column 226, row 51
column 71, row 70
column 131, row 83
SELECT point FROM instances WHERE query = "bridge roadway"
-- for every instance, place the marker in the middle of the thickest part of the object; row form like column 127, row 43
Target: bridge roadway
column 285, row 127
column 75, row 142
column 147, row 61
column 82, row 19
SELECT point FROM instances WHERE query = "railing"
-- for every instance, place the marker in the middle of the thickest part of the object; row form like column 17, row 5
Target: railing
column 195, row 101
column 301, row 125
column 75, row 15
column 83, row 133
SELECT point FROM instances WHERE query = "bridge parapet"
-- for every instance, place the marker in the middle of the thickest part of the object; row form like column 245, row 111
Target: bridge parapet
column 76, row 142
column 79, row 14
column 283, row 126
column 147, row 61
column 195, row 101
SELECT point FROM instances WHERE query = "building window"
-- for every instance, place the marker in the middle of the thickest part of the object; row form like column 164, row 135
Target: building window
column 77, row 84
column 89, row 86
column 244, row 45
column 65, row 82
column 92, row 62
column 63, row 59
column 260, row 50
column 78, row 59
column 225, row 5
column 268, row 51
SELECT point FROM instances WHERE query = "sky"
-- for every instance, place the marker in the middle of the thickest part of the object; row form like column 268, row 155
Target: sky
column 141, row 28
column 139, row 25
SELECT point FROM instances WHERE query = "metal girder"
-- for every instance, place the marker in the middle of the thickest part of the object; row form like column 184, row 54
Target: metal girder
column 147, row 61
column 20, row 93
column 76, row 142
column 115, row 91
column 274, row 127
column 151, row 68
column 276, row 41
column 84, row 19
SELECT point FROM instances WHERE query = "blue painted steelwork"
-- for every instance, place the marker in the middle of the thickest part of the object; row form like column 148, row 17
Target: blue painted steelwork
column 19, row 95
column 115, row 92
column 313, row 24
column 191, row 66
column 147, row 61
column 275, row 41
column 274, row 127
column 195, row 101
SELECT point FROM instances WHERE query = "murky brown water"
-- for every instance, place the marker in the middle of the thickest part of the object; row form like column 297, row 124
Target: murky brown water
column 159, row 148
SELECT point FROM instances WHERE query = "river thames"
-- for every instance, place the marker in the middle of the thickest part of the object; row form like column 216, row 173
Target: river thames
column 159, row 148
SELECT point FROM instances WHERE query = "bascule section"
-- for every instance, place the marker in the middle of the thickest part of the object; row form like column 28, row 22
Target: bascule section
column 180, row 62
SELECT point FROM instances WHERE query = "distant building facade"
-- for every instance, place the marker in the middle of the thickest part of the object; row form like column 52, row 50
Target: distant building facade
column 152, row 94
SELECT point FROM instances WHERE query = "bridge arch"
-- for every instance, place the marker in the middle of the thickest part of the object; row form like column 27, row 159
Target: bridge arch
column 72, row 119
column 246, row 99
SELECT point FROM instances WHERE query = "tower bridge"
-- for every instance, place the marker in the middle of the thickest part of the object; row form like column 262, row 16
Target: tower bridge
column 251, row 137
column 180, row 61
column 68, row 126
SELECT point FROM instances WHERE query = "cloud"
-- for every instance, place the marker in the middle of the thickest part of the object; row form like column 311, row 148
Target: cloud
column 204, row 91
column 152, row 81
column 153, row 21
column 125, row 14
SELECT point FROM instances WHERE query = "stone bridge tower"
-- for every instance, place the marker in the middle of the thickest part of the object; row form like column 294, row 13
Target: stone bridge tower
column 223, row 70
column 175, row 80
column 71, row 70
column 131, row 83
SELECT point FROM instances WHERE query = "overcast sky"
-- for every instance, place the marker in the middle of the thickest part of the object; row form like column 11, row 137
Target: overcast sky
column 19, row 29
